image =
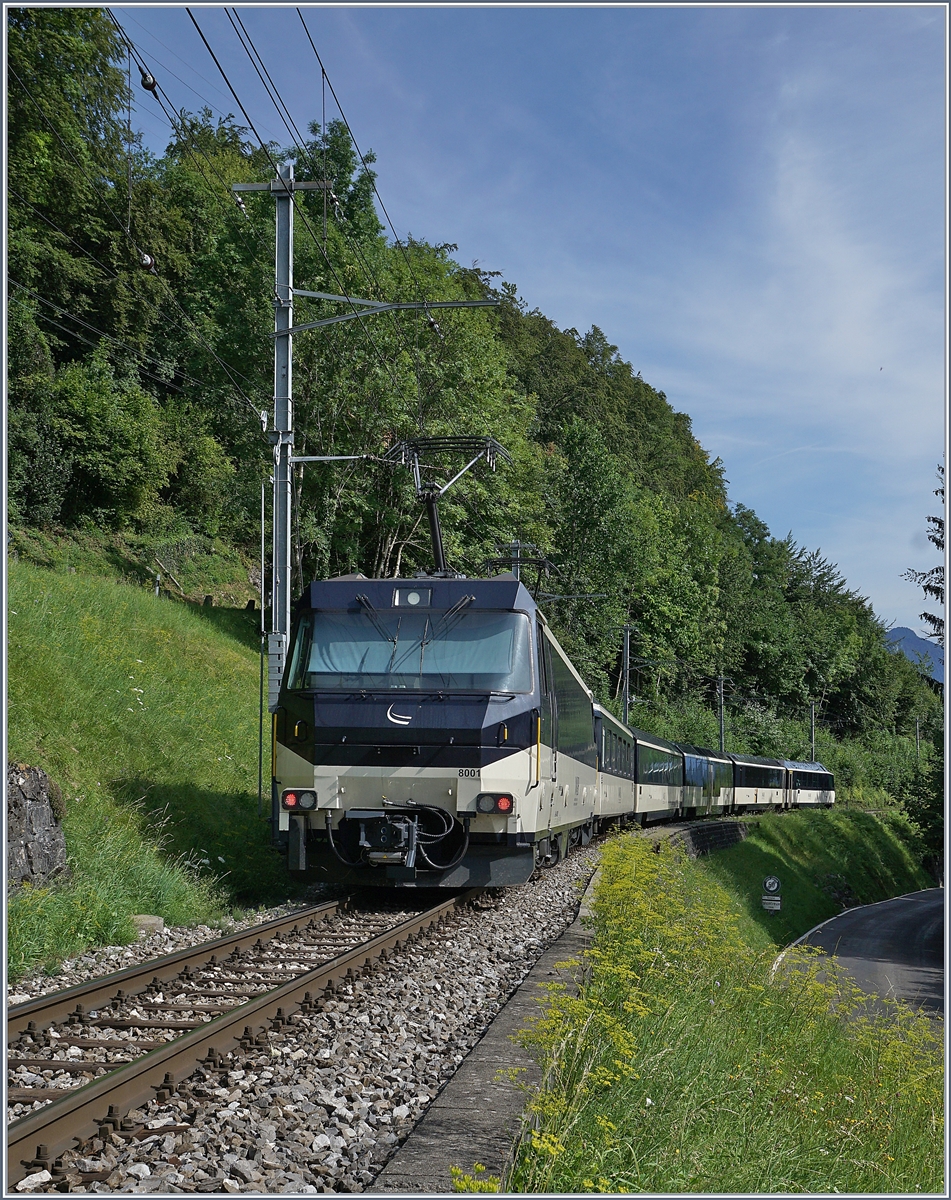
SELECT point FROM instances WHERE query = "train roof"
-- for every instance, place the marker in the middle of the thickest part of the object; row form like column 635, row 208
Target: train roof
column 804, row 766
column 651, row 739
column 753, row 760
column 703, row 752
column 601, row 711
column 502, row 592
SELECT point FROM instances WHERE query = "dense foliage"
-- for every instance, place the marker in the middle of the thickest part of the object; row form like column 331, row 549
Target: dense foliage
column 135, row 393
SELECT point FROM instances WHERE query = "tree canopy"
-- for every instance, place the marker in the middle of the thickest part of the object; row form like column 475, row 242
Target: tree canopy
column 136, row 392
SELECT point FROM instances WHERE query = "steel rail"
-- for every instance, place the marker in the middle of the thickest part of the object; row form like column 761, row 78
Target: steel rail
column 58, row 1005
column 81, row 1112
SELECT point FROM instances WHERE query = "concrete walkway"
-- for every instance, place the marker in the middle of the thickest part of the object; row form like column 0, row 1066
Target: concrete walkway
column 476, row 1117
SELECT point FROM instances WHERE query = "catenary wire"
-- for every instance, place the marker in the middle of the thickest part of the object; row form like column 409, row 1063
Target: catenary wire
column 64, row 312
column 356, row 147
column 399, row 242
column 300, row 145
column 95, row 345
column 110, row 275
column 179, row 129
column 386, row 366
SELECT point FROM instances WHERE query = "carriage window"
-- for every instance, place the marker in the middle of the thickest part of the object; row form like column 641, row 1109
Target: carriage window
column 759, row 775
column 575, row 713
column 657, row 766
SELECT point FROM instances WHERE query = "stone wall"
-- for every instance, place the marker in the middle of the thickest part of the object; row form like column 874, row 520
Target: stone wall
column 707, row 836
column 36, row 848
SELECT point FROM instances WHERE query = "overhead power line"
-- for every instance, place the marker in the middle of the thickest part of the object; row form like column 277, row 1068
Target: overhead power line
column 303, row 215
column 300, row 143
column 63, row 312
column 178, row 127
column 363, row 161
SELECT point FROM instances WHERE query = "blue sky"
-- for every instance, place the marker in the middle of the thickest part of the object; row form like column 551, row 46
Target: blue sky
column 749, row 201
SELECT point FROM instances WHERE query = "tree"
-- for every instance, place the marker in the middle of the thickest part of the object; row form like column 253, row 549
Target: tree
column 932, row 582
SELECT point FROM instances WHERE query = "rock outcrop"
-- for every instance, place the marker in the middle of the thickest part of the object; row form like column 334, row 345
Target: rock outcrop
column 36, row 848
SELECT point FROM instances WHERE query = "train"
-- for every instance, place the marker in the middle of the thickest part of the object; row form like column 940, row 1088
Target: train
column 432, row 732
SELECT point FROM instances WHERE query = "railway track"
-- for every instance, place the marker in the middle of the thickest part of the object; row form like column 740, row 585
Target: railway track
column 95, row 1052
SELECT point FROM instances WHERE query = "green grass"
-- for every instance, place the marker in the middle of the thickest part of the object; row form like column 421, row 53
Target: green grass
column 683, row 1065
column 823, row 859
column 144, row 710
column 191, row 566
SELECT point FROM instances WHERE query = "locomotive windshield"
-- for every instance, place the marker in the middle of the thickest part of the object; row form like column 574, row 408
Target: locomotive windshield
column 422, row 651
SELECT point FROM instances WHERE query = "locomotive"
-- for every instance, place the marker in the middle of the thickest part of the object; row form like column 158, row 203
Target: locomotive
column 431, row 732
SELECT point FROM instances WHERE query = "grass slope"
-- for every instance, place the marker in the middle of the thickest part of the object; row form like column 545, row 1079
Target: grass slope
column 823, row 860
column 144, row 710
column 684, row 1065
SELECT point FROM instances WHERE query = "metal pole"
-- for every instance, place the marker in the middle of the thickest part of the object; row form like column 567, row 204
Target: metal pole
column 918, row 739
column 282, row 436
column 627, row 672
column 720, row 699
column 438, row 553
column 261, row 674
column 812, row 728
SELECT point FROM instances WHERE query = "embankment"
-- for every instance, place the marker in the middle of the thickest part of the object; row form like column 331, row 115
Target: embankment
column 144, row 711
column 683, row 1066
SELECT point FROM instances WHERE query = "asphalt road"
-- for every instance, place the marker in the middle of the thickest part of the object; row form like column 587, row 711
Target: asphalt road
column 894, row 948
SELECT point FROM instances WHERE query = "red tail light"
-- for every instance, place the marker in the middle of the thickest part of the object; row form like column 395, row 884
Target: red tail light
column 303, row 801
column 493, row 802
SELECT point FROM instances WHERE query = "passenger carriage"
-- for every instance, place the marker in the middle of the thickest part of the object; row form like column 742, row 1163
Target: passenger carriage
column 758, row 783
column 617, row 786
column 708, row 782
column 660, row 777
column 808, row 785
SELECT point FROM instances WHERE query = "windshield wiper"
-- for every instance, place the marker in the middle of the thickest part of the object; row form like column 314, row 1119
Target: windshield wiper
column 448, row 619
column 374, row 616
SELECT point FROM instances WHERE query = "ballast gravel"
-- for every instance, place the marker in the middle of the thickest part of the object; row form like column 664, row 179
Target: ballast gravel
column 104, row 960
column 326, row 1102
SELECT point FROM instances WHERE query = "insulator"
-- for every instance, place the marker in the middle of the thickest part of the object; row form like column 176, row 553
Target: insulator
column 148, row 81
column 146, row 261
column 240, row 203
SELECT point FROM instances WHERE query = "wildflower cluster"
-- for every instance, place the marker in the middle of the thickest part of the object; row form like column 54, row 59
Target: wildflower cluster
column 476, row 1180
column 686, row 1064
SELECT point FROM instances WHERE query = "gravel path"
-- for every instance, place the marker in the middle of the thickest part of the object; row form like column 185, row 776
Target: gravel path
column 327, row 1101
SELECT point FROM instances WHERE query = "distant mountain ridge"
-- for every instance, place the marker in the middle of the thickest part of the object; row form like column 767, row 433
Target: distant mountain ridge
column 914, row 647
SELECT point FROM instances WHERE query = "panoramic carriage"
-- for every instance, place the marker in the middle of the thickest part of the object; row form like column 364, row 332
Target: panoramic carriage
column 708, row 782
column 808, row 784
column 758, row 783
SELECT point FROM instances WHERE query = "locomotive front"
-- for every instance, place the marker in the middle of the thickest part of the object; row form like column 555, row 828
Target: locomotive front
column 407, row 733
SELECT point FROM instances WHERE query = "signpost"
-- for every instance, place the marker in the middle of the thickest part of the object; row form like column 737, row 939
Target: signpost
column 772, row 900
